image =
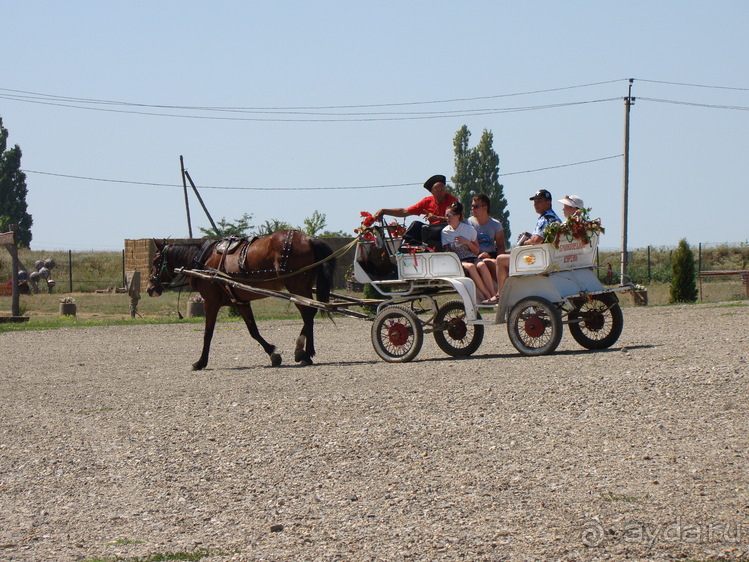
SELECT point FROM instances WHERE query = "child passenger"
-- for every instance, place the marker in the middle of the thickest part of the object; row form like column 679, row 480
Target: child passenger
column 461, row 238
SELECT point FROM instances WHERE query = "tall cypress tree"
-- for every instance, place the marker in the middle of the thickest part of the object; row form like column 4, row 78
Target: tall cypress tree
column 477, row 171
column 684, row 283
column 13, row 208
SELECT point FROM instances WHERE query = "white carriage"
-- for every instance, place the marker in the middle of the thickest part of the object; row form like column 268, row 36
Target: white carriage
column 547, row 288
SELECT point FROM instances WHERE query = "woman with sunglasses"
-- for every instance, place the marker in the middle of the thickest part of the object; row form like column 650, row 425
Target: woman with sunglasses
column 461, row 238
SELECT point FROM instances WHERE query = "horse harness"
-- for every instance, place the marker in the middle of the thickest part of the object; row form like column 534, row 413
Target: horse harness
column 234, row 251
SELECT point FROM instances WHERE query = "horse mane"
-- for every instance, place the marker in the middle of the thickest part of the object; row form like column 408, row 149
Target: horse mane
column 183, row 254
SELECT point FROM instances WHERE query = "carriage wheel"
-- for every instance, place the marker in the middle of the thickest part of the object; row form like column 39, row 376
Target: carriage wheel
column 535, row 326
column 456, row 338
column 599, row 326
column 397, row 335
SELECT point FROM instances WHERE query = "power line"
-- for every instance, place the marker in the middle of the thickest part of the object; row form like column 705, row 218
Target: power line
column 27, row 96
column 694, row 104
column 693, row 85
column 336, row 188
column 321, row 117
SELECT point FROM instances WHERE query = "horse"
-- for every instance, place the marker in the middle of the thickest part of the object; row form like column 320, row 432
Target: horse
column 285, row 259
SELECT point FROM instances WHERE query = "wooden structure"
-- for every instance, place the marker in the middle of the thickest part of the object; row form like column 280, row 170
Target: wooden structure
column 8, row 239
column 743, row 273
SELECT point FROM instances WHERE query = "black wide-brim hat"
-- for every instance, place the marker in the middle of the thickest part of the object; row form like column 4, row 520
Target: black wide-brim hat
column 429, row 184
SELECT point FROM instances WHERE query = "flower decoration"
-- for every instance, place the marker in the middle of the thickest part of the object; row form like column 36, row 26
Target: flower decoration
column 577, row 227
column 67, row 300
column 530, row 259
column 396, row 230
column 196, row 298
column 367, row 219
column 365, row 230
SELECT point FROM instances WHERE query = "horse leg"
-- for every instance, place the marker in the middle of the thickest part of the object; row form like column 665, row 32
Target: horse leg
column 249, row 320
column 305, row 343
column 211, row 312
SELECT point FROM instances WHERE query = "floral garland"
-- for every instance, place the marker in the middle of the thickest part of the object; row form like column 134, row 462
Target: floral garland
column 365, row 231
column 577, row 227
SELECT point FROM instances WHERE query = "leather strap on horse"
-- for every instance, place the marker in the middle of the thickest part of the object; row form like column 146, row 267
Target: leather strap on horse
column 299, row 271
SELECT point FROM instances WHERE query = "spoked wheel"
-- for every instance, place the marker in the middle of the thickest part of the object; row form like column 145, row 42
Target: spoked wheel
column 397, row 335
column 535, row 326
column 457, row 338
column 600, row 325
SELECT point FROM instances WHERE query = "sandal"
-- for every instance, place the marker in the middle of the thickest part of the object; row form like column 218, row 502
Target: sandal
column 492, row 300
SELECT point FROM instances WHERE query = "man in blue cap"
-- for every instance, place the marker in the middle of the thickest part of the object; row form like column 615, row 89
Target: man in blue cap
column 542, row 204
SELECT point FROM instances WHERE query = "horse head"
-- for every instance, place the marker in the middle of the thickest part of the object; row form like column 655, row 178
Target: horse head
column 159, row 273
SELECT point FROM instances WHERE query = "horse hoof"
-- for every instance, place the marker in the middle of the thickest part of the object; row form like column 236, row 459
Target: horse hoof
column 198, row 366
column 275, row 359
column 305, row 362
column 299, row 355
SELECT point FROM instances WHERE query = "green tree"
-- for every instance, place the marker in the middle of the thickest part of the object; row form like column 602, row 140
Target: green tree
column 271, row 226
column 13, row 208
column 240, row 227
column 314, row 224
column 684, row 283
column 477, row 171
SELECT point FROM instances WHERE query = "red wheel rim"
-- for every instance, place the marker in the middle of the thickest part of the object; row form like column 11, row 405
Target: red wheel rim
column 398, row 334
column 534, row 326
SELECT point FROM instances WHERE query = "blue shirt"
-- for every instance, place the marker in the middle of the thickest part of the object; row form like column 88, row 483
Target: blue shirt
column 543, row 221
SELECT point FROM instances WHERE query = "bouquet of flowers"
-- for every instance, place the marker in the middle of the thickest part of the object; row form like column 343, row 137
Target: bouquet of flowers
column 365, row 230
column 67, row 300
column 195, row 298
column 577, row 227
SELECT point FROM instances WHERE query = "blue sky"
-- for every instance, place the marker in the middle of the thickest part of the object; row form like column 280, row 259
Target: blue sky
column 688, row 163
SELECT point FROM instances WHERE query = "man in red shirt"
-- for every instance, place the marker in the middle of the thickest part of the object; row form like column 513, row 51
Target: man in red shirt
column 432, row 208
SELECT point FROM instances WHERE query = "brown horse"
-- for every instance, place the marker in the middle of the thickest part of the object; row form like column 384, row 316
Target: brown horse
column 273, row 262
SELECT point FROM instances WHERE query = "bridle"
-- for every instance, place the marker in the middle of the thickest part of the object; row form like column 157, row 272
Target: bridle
column 173, row 281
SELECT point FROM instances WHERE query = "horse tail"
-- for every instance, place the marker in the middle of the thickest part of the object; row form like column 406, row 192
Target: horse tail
column 325, row 271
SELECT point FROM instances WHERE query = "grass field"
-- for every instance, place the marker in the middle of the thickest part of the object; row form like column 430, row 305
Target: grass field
column 88, row 272
column 114, row 308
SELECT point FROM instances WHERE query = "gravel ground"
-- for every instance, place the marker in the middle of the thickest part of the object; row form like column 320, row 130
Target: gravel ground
column 111, row 447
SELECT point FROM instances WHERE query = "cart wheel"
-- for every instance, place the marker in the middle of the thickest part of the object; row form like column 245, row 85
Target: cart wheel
column 599, row 326
column 397, row 334
column 535, row 326
column 457, row 338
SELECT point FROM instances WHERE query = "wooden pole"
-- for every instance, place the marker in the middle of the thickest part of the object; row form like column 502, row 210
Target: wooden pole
column 15, row 305
column 187, row 202
column 628, row 102
column 200, row 200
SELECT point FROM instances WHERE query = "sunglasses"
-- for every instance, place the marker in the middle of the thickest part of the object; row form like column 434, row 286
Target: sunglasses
column 477, row 206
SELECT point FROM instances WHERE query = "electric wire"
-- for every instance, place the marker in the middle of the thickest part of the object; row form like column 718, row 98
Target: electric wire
column 334, row 188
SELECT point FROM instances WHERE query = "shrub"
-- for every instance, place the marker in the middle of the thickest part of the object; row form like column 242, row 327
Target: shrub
column 684, row 282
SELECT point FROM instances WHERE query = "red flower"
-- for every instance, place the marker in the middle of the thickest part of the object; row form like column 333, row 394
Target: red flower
column 367, row 219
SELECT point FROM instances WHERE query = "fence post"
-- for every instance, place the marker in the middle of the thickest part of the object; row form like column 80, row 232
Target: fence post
column 124, row 279
column 699, row 267
column 649, row 276
column 70, row 269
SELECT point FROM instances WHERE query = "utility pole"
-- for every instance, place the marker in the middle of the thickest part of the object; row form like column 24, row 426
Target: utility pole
column 629, row 101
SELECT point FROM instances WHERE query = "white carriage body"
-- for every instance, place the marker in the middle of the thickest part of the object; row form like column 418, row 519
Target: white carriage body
column 554, row 274
column 540, row 270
